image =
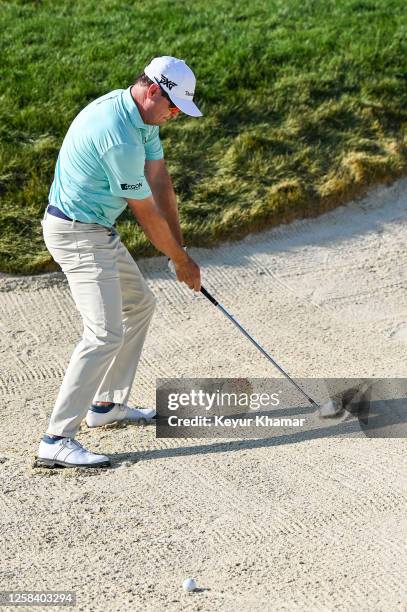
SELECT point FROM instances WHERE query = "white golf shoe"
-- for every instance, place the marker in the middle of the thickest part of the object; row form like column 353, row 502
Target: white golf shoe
column 120, row 412
column 68, row 453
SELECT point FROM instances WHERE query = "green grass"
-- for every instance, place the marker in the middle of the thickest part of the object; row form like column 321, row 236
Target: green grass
column 304, row 101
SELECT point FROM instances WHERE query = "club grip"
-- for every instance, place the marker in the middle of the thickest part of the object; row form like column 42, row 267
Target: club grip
column 209, row 296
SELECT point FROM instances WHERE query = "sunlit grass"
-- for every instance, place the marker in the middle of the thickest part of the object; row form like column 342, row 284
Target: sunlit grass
column 304, row 102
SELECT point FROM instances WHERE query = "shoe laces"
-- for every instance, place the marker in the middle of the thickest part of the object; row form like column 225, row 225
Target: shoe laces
column 72, row 442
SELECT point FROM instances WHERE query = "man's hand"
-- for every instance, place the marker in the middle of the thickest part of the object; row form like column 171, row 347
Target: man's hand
column 188, row 272
column 159, row 233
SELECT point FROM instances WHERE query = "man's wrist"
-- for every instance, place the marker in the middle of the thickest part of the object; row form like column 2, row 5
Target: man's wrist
column 181, row 257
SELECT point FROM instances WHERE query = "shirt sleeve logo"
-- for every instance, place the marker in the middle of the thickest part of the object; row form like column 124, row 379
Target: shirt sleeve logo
column 126, row 186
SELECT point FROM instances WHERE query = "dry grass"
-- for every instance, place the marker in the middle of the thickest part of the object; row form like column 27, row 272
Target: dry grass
column 305, row 107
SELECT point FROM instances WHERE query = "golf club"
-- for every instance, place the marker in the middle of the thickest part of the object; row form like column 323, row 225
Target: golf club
column 215, row 302
column 328, row 409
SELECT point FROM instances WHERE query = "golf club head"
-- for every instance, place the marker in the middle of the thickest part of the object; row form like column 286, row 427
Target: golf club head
column 330, row 409
column 352, row 400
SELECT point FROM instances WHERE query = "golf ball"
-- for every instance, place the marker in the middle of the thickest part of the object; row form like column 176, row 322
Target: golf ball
column 189, row 585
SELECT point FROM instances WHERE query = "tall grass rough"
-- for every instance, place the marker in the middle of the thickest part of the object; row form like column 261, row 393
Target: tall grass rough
column 304, row 103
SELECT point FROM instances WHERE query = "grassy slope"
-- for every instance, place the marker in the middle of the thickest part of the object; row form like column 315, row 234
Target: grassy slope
column 304, row 102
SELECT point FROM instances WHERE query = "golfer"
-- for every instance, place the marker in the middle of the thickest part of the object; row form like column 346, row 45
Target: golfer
column 112, row 158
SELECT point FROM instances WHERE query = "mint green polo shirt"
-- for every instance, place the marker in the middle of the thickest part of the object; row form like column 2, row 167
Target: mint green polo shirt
column 101, row 161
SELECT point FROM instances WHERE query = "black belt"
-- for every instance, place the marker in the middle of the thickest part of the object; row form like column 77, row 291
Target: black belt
column 53, row 210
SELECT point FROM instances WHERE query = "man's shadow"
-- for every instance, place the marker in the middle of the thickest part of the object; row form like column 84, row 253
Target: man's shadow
column 363, row 410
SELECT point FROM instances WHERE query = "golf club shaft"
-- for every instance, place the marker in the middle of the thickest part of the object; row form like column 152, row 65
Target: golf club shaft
column 256, row 344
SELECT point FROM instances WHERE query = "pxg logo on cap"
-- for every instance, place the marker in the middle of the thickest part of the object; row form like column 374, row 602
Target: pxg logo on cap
column 165, row 81
column 177, row 79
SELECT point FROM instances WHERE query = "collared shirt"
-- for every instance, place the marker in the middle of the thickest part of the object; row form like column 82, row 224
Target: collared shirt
column 101, row 161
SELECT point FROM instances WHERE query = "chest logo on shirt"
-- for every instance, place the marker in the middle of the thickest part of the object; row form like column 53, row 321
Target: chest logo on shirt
column 126, row 186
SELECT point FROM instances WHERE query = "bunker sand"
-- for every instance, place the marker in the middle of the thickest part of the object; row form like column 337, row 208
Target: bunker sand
column 279, row 524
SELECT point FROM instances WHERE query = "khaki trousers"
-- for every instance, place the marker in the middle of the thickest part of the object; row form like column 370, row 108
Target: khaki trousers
column 116, row 307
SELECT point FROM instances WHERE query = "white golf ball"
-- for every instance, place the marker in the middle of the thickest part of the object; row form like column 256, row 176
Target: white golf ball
column 189, row 585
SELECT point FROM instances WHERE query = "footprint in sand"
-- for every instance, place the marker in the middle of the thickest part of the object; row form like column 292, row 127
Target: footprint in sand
column 399, row 332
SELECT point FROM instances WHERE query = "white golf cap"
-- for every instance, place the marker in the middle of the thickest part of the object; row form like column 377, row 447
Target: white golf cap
column 177, row 80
